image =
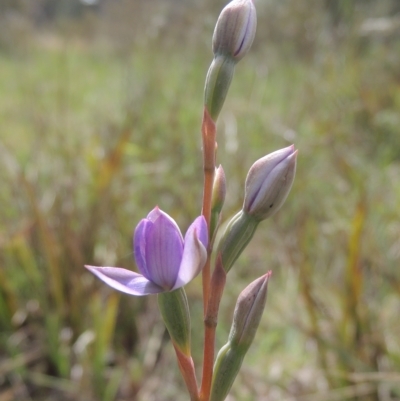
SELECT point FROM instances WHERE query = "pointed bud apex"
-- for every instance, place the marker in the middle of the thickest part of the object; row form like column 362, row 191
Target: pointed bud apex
column 249, row 308
column 218, row 81
column 237, row 235
column 174, row 309
column 218, row 199
column 248, row 311
column 219, row 190
column 268, row 183
column 235, row 29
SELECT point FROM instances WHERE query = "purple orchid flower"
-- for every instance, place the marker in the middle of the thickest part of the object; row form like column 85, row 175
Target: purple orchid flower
column 165, row 260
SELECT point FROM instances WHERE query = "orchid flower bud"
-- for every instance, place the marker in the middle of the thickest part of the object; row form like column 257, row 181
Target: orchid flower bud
column 233, row 36
column 246, row 319
column 235, row 29
column 248, row 311
column 267, row 186
column 219, row 190
column 217, row 199
column 268, row 183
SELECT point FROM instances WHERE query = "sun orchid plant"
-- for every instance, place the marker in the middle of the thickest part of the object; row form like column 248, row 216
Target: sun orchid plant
column 167, row 261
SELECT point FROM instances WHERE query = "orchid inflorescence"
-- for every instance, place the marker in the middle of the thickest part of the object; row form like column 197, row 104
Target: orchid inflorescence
column 167, row 261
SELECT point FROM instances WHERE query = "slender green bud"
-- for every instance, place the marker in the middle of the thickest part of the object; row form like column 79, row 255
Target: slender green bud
column 235, row 29
column 268, row 183
column 217, row 199
column 237, row 235
column 218, row 81
column 246, row 319
column 174, row 309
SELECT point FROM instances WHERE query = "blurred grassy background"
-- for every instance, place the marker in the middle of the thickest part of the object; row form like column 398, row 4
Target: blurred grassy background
column 100, row 111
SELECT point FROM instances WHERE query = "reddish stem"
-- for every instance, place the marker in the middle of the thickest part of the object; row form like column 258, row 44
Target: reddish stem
column 208, row 131
column 186, row 367
column 210, row 324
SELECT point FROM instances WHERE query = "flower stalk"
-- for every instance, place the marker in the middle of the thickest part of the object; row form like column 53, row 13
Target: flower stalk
column 209, row 149
column 233, row 36
column 210, row 325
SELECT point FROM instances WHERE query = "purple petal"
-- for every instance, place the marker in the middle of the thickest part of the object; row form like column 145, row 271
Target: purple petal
column 125, row 280
column 260, row 171
column 275, row 186
column 202, row 230
column 159, row 244
column 194, row 253
column 139, row 246
column 157, row 212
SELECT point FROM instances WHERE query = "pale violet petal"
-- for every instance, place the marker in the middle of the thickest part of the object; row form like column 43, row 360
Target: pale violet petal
column 139, row 246
column 194, row 253
column 201, row 229
column 125, row 280
column 157, row 212
column 164, row 248
column 260, row 171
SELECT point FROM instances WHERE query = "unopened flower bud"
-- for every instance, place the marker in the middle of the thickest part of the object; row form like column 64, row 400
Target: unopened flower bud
column 268, row 183
column 248, row 311
column 219, row 190
column 233, row 36
column 235, row 29
column 246, row 319
column 217, row 199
